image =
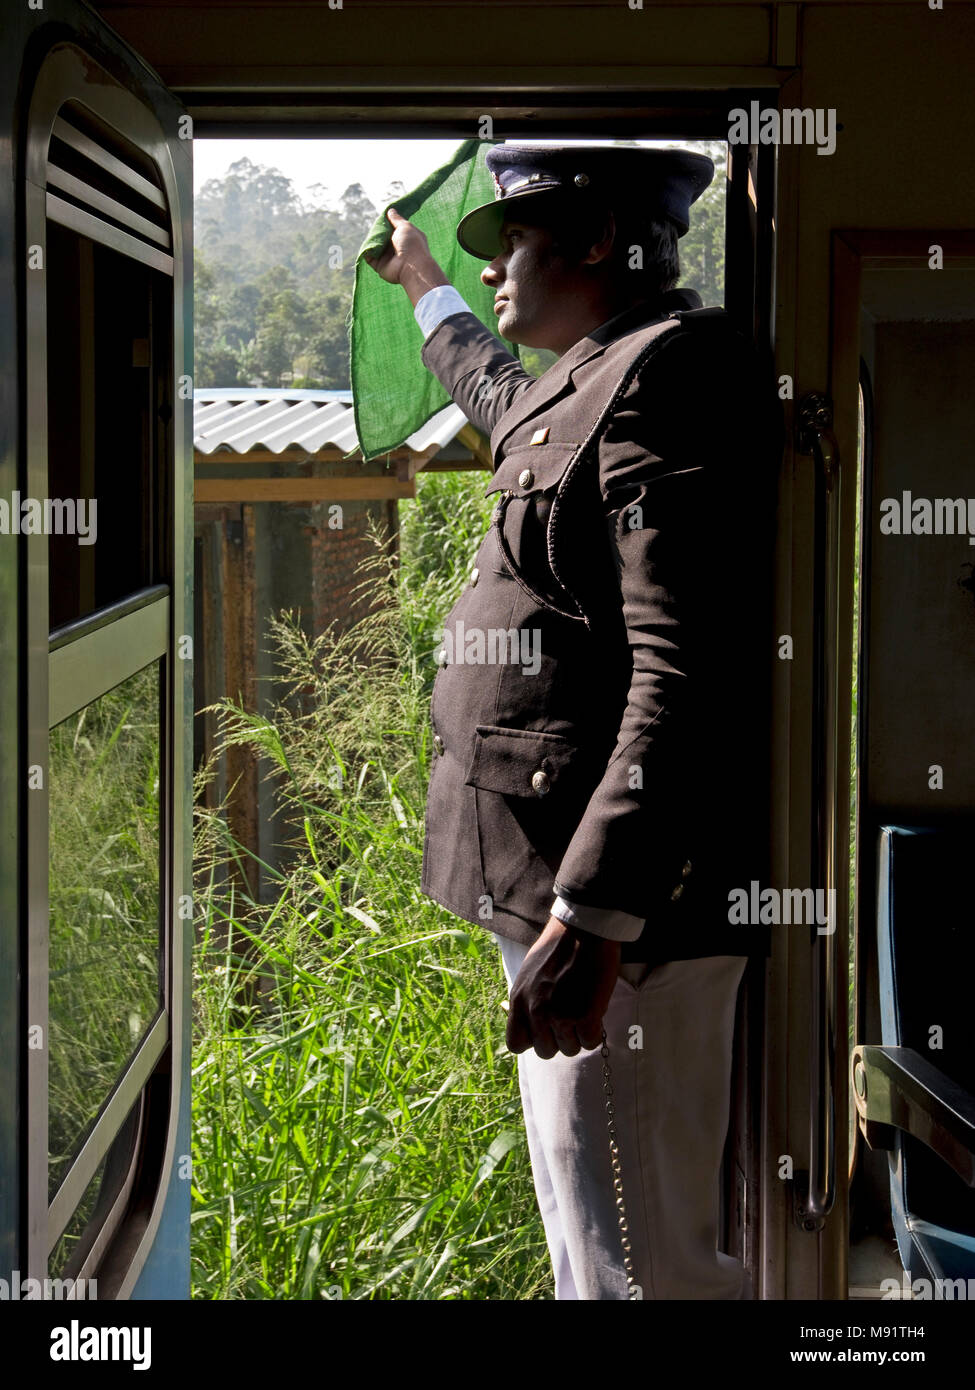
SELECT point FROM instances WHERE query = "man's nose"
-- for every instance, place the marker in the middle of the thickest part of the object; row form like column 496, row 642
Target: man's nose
column 493, row 273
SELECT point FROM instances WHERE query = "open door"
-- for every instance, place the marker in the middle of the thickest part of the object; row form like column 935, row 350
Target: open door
column 96, row 599
column 905, row 327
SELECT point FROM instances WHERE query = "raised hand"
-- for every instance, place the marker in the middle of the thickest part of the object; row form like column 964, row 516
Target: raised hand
column 406, row 260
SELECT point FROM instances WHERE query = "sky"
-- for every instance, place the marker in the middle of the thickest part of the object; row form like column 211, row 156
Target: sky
column 338, row 163
column 334, row 163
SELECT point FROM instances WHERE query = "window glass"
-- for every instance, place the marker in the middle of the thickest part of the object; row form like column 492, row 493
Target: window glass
column 91, row 1213
column 99, row 395
column 104, row 989
column 65, row 1252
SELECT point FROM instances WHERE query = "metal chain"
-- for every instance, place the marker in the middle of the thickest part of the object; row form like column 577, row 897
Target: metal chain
column 614, row 1154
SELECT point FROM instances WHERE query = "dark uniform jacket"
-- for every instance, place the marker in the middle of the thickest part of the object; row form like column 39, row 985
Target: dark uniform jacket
column 600, row 711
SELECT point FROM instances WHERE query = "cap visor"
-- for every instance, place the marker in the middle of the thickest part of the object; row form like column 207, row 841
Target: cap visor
column 479, row 232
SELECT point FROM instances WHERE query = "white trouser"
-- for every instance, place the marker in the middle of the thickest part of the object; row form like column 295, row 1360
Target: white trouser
column 669, row 1031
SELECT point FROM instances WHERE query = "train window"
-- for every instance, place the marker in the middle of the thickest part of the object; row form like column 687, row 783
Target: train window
column 108, row 294
column 104, row 962
column 91, row 1225
column 99, row 372
column 100, row 619
column 65, row 1251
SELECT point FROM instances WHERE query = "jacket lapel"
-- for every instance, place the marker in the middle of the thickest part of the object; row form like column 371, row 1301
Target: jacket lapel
column 558, row 380
column 544, row 392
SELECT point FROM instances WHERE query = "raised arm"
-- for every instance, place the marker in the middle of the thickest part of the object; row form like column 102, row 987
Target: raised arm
column 481, row 376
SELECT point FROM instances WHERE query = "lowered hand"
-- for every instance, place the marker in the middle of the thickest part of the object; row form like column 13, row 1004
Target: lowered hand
column 561, row 993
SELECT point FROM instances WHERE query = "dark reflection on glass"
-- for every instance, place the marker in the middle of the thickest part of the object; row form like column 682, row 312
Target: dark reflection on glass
column 104, row 902
column 77, row 1238
column 66, row 1250
column 100, row 420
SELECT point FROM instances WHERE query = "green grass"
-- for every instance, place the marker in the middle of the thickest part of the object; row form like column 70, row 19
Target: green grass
column 104, row 891
column 357, row 1129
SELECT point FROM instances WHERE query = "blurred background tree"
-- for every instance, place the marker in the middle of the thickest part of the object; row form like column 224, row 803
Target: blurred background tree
column 273, row 280
column 702, row 246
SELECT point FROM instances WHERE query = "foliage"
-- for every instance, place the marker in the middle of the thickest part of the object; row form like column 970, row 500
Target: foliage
column 104, row 910
column 273, row 280
column 702, row 246
column 357, row 1129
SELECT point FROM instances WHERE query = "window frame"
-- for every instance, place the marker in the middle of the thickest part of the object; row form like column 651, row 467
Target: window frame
column 66, row 669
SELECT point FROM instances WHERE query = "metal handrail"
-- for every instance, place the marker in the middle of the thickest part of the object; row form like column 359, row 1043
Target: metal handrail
column 816, row 1193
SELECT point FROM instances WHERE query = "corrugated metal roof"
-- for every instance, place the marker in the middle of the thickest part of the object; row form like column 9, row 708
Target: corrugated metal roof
column 237, row 419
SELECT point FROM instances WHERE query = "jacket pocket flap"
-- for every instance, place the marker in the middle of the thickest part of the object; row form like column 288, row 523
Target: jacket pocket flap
column 532, row 468
column 518, row 762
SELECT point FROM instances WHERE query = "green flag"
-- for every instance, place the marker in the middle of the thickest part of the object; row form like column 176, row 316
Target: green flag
column 393, row 393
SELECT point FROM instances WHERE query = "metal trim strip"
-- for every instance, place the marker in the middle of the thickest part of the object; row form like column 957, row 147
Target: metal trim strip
column 83, row 669
column 84, row 192
column 118, row 169
column 91, row 622
column 106, row 1128
column 86, row 224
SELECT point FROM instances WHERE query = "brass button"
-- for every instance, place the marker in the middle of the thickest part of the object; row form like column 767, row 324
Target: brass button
column 475, row 575
column 526, row 477
column 438, row 744
column 678, row 891
column 540, row 782
column 686, row 870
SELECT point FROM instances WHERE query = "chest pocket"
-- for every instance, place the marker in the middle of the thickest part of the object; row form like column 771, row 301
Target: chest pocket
column 526, row 482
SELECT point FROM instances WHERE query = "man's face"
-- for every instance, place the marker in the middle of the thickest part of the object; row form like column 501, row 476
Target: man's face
column 534, row 287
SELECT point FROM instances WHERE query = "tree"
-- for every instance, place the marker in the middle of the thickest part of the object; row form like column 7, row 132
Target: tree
column 702, row 246
column 241, row 314
column 357, row 210
column 274, row 278
column 328, row 346
column 217, row 365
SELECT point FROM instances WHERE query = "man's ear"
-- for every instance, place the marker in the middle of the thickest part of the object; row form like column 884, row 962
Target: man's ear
column 602, row 248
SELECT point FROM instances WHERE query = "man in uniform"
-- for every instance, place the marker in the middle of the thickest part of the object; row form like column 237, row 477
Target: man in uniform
column 599, row 766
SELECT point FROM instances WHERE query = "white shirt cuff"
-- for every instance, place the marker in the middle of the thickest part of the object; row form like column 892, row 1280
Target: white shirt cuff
column 436, row 305
column 607, row 922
